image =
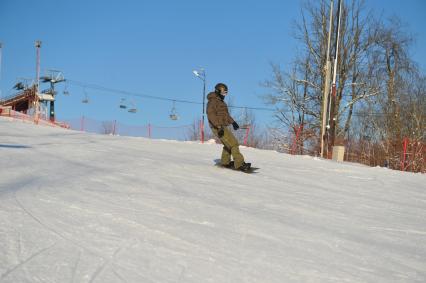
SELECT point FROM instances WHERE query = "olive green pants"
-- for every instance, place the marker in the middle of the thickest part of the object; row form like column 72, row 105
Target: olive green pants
column 230, row 148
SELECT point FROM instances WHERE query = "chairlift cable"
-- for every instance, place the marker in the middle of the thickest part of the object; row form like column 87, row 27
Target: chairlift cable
column 143, row 95
column 102, row 88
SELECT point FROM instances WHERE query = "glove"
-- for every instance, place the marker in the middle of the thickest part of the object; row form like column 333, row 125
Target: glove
column 220, row 132
column 235, row 125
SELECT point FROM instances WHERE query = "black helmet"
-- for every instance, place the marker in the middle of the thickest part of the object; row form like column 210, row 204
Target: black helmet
column 221, row 88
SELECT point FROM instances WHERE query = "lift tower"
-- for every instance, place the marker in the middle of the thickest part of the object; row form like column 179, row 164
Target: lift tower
column 53, row 77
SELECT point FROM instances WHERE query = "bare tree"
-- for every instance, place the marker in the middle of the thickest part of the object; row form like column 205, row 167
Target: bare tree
column 249, row 131
column 194, row 132
column 108, row 128
column 298, row 94
column 380, row 93
column 400, row 105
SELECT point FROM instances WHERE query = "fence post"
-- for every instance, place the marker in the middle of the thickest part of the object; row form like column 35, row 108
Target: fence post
column 113, row 127
column 82, row 123
column 246, row 137
column 404, row 153
column 412, row 161
column 36, row 115
column 149, row 130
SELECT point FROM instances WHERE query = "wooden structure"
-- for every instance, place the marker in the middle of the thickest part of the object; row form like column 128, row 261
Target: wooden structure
column 21, row 101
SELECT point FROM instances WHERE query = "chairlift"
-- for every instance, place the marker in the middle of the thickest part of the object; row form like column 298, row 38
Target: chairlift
column 66, row 92
column 86, row 98
column 133, row 109
column 173, row 114
column 123, row 104
column 19, row 86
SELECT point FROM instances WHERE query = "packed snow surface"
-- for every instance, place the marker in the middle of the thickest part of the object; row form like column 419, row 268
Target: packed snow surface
column 78, row 207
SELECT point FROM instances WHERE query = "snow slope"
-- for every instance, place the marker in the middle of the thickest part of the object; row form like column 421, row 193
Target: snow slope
column 77, row 207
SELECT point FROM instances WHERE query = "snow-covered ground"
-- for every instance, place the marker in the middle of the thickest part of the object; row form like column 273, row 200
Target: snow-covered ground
column 77, row 207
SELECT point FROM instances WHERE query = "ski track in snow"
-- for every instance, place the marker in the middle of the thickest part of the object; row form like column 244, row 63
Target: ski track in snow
column 25, row 261
column 77, row 207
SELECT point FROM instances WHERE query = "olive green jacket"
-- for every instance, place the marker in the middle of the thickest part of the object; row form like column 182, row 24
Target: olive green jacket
column 217, row 112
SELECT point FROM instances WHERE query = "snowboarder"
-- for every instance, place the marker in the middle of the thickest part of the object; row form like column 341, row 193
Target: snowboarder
column 219, row 120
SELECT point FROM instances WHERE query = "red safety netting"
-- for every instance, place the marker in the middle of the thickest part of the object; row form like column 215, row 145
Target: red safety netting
column 39, row 119
column 114, row 127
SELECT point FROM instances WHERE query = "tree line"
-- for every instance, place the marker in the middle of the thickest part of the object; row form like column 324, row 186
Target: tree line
column 379, row 102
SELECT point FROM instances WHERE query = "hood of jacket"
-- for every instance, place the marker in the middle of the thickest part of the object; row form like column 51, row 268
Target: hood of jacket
column 214, row 95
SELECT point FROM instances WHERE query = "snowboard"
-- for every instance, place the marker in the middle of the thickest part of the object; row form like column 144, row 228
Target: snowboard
column 249, row 171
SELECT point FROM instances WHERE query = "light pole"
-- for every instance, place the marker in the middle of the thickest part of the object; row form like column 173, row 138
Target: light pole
column 37, row 83
column 201, row 74
column 1, row 49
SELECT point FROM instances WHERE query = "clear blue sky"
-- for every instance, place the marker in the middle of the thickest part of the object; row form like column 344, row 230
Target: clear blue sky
column 151, row 47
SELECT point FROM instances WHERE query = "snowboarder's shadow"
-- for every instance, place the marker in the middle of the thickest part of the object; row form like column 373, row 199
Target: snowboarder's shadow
column 13, row 146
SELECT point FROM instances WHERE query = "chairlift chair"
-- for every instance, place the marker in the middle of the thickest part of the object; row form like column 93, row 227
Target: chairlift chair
column 19, row 86
column 46, row 79
column 173, row 114
column 86, row 98
column 123, row 104
column 133, row 109
column 66, row 92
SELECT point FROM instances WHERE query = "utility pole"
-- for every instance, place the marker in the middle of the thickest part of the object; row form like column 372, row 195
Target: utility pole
column 1, row 50
column 327, row 83
column 37, row 82
column 332, row 120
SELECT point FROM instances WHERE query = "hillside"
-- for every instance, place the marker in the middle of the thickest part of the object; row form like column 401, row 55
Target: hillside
column 78, row 207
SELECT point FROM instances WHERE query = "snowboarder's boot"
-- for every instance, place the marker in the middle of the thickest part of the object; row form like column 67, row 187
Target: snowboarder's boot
column 245, row 167
column 229, row 165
